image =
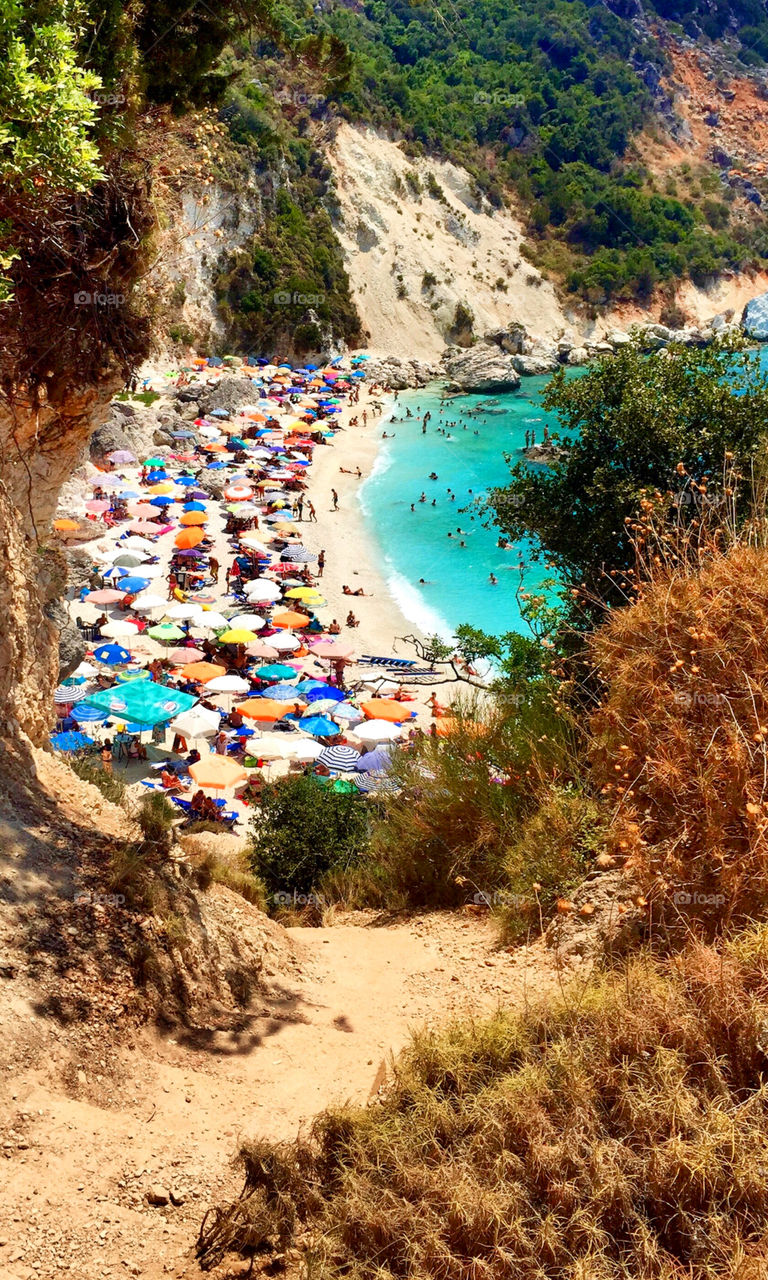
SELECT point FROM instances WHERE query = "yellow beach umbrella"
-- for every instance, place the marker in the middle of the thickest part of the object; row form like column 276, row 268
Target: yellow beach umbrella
column 237, row 635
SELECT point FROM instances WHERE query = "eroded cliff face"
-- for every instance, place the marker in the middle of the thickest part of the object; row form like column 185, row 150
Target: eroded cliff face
column 40, row 443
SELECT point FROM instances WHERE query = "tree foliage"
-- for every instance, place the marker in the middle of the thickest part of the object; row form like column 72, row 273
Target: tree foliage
column 632, row 426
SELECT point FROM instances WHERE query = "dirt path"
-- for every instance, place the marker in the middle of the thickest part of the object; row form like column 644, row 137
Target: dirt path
column 86, row 1134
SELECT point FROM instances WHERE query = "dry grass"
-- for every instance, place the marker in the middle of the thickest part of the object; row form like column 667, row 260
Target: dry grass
column 679, row 743
column 619, row 1134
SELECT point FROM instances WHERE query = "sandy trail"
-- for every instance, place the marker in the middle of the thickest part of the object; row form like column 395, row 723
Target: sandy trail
column 170, row 1111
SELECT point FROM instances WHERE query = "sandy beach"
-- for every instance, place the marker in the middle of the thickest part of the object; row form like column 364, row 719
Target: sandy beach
column 351, row 558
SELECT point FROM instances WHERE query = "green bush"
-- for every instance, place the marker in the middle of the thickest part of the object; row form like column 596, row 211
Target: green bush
column 304, row 830
column 111, row 785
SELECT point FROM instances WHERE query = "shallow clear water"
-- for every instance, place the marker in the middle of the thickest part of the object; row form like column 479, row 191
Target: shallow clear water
column 468, row 460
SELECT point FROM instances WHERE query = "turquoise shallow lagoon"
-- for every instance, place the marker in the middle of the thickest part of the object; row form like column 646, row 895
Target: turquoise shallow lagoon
column 468, row 460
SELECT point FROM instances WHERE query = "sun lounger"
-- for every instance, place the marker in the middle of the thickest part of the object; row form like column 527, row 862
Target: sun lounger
column 369, row 660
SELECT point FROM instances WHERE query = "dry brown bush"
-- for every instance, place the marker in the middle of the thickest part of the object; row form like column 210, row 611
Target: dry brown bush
column 618, row 1133
column 679, row 742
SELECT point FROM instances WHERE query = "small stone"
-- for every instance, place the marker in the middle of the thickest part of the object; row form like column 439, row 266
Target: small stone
column 157, row 1195
column 177, row 1197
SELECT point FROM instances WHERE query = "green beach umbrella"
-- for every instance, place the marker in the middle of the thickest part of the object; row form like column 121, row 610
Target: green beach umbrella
column 166, row 631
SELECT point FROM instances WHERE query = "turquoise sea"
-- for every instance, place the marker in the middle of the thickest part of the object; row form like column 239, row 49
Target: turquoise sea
column 468, row 460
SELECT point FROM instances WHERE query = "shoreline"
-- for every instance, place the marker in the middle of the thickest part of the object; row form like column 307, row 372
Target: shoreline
column 352, row 557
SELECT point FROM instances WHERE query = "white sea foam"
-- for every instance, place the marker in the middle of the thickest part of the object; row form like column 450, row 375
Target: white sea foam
column 414, row 607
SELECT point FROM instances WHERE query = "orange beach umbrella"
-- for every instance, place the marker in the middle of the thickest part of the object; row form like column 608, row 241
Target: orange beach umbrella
column 189, row 538
column 217, row 773
column 384, row 709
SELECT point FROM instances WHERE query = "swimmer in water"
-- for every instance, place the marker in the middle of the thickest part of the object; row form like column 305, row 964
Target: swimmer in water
column 493, row 579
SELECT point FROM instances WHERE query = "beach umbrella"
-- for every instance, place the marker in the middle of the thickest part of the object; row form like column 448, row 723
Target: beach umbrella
column 377, row 731
column 236, row 635
column 261, row 589
column 251, row 621
column 253, row 544
column 194, row 506
column 71, row 693
column 66, row 526
column 136, row 543
column 303, row 593
column 159, row 502
column 202, row 672
column 346, row 711
column 186, row 539
column 105, row 595
column 376, row 760
column 120, row 630
column 184, row 612
column 198, row 722
column 150, row 571
column 166, row 632
column 87, row 714
column 153, row 463
column 128, row 559
column 82, row 672
column 210, row 620
column 384, row 709
column 276, row 671
column 285, row 642
column 377, row 784
column 157, row 474
column 117, row 571
column 327, row 692
column 143, row 702
column 112, row 655
column 339, row 757
column 184, row 655
column 307, row 685
column 145, row 604
column 333, row 649
column 97, row 506
column 187, row 481
column 319, row 726
column 132, row 585
column 263, row 709
column 306, row 749
column 276, row 746
column 191, row 518
column 298, row 555
column 288, row 618
column 142, row 511
column 143, row 526
column 227, row 684
column 261, row 650
column 330, row 707
column 70, row 741
column 281, row 692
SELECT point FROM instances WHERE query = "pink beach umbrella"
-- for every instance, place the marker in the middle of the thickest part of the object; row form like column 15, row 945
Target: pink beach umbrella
column 104, row 595
column 181, row 656
column 332, row 649
column 259, row 649
column 143, row 526
column 97, row 506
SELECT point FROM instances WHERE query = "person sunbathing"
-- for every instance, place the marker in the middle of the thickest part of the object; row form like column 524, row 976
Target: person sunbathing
column 347, row 591
column 334, row 629
column 352, row 620
column 170, row 782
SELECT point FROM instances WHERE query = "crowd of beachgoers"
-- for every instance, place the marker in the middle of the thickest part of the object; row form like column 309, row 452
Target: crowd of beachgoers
column 215, row 658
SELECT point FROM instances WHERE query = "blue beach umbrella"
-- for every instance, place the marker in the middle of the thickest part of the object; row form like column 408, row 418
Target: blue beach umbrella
column 194, row 506
column 70, row 741
column 156, row 476
column 328, row 693
column 186, row 480
column 216, row 466
column 280, row 692
column 160, row 501
column 319, row 726
column 132, row 585
column 112, row 655
column 117, row 571
column 86, row 714
column 306, row 686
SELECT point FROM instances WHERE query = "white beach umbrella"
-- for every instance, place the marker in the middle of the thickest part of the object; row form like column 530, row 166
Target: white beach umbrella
column 134, row 542
column 285, row 642
column 377, row 731
column 119, row 630
column 250, row 621
column 210, row 620
column 307, row 749
column 146, row 603
column 184, row 612
column 260, row 589
column 227, row 684
column 197, row 722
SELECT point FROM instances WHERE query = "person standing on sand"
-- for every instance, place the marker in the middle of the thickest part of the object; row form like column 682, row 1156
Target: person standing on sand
column 300, row 507
column 213, row 565
column 311, row 510
column 335, row 497
column 320, row 564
